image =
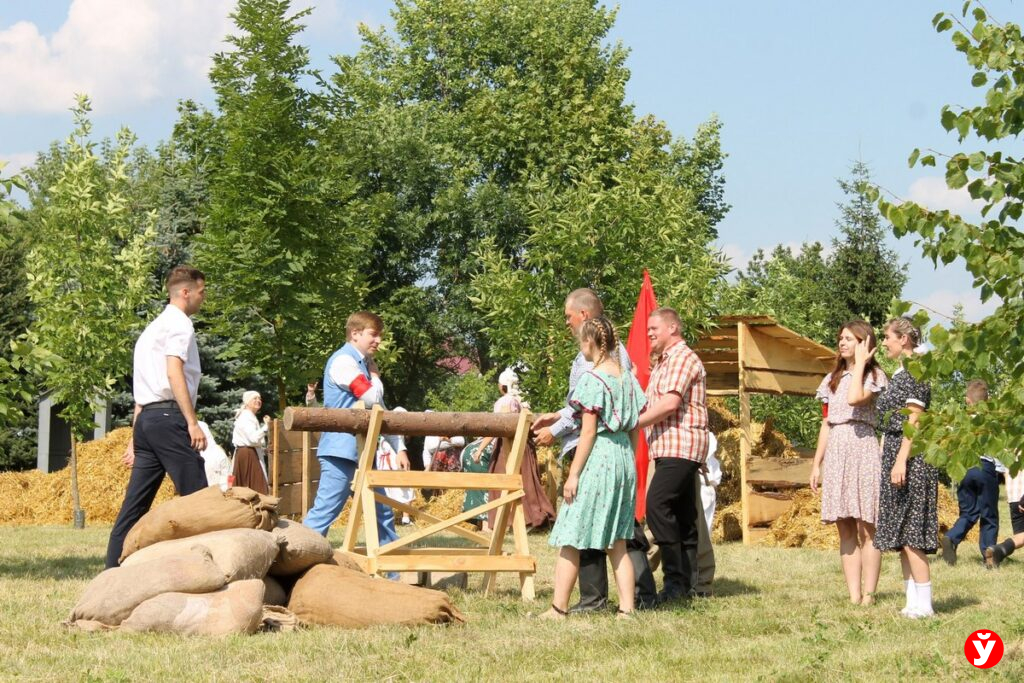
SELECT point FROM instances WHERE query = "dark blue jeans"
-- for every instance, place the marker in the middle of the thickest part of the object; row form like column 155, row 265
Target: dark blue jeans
column 978, row 496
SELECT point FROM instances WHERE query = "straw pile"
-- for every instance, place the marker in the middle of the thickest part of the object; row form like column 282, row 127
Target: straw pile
column 801, row 527
column 36, row 498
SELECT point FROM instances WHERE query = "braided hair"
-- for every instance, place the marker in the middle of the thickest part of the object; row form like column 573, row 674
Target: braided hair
column 905, row 326
column 601, row 333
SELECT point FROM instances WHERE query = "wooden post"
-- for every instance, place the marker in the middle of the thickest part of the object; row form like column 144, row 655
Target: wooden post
column 745, row 436
column 513, row 465
column 275, row 459
column 366, row 458
column 305, row 472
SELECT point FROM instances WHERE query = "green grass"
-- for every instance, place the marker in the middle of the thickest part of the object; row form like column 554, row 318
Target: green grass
column 778, row 615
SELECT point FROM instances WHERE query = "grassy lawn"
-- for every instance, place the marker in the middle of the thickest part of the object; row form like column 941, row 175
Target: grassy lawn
column 778, row 615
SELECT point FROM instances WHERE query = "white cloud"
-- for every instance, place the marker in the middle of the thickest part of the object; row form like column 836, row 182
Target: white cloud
column 735, row 255
column 944, row 301
column 16, row 161
column 933, row 193
column 120, row 52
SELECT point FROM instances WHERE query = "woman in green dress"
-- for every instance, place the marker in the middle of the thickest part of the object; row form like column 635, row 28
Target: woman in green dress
column 600, row 490
column 476, row 457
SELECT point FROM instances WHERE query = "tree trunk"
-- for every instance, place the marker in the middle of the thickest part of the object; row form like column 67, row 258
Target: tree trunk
column 406, row 424
column 77, row 513
column 282, row 395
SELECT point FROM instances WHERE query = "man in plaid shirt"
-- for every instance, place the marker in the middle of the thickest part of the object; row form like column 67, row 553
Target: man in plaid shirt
column 676, row 426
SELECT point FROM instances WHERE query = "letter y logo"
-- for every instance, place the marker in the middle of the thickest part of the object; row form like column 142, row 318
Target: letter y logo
column 983, row 649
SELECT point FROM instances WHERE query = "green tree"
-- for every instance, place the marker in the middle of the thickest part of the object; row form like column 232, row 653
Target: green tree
column 864, row 275
column 467, row 112
column 286, row 239
column 89, row 274
column 601, row 233
column 991, row 250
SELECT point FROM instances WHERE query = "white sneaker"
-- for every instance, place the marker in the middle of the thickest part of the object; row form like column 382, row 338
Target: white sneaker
column 918, row 614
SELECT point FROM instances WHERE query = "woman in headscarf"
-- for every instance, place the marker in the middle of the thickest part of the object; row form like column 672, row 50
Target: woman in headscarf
column 249, row 440
column 536, row 505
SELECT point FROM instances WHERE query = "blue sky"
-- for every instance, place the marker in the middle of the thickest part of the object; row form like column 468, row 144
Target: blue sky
column 803, row 90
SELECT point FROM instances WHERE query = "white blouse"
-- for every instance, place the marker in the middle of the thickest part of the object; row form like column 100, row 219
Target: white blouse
column 249, row 431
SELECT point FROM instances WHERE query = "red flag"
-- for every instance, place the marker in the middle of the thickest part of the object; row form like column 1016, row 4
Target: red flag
column 639, row 348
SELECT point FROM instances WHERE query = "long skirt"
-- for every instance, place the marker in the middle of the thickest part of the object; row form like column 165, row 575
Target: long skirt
column 248, row 470
column 536, row 506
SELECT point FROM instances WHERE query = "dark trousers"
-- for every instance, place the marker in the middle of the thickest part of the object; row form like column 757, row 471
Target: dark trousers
column 162, row 444
column 978, row 496
column 672, row 512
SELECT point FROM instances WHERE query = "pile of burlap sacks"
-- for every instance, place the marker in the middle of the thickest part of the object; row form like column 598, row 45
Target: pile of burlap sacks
column 221, row 562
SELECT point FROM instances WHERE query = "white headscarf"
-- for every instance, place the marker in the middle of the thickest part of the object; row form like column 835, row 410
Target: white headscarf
column 510, row 380
column 247, row 398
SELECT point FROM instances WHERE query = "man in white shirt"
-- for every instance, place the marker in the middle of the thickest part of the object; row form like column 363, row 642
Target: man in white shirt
column 166, row 436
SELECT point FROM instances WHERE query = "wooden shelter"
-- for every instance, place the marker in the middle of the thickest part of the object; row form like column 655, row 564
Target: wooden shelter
column 754, row 354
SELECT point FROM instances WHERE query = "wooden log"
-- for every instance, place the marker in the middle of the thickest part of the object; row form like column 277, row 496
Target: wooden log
column 764, row 508
column 406, row 424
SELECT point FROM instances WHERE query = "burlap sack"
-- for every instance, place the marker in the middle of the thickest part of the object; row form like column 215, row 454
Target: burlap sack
column 301, row 548
column 337, row 596
column 208, row 510
column 236, row 608
column 277, row 619
column 341, row 559
column 240, row 553
column 111, row 596
column 274, row 593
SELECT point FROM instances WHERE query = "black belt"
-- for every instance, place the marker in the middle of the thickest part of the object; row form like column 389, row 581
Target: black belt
column 162, row 405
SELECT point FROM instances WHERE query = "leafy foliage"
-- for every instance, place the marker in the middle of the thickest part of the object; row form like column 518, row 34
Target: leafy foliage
column 88, row 275
column 992, row 251
column 470, row 392
column 285, row 239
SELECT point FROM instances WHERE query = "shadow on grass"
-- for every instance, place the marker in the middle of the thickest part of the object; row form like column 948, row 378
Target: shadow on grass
column 59, row 568
column 724, row 588
column 946, row 605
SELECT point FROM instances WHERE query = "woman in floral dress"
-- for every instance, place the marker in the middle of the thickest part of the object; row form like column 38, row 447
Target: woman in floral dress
column 600, row 490
column 847, row 462
column 908, row 518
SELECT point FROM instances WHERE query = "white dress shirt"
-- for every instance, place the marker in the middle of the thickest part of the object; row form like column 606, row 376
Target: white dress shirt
column 170, row 334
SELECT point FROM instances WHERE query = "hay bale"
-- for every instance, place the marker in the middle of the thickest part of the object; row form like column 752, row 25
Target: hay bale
column 728, row 525
column 801, row 526
column 36, row 498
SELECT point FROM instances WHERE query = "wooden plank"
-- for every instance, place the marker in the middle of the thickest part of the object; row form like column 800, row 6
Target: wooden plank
column 768, row 382
column 725, row 382
column 766, row 471
column 447, row 550
column 444, row 480
column 717, row 342
column 719, row 367
column 457, row 563
column 275, row 464
column 290, row 468
column 291, row 500
column 756, row 534
column 764, row 508
column 512, row 466
column 718, row 356
column 306, row 457
column 761, row 350
column 721, row 392
column 474, row 536
column 746, row 439
column 464, row 516
column 368, row 444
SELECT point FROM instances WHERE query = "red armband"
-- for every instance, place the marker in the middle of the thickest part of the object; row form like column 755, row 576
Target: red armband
column 824, row 410
column 360, row 385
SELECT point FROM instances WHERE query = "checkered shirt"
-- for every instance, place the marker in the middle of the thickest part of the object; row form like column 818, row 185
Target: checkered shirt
column 683, row 433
